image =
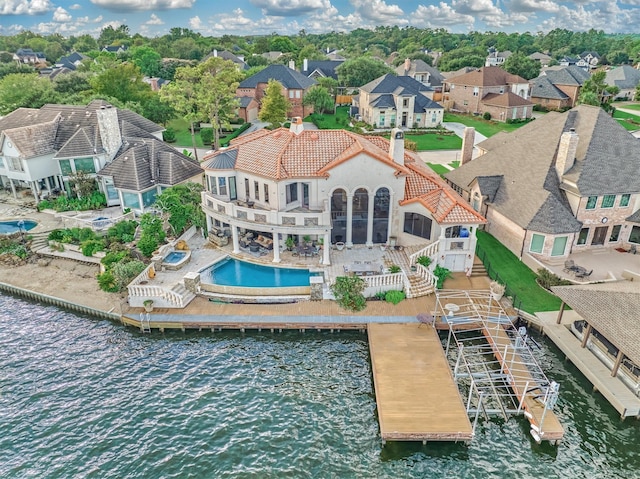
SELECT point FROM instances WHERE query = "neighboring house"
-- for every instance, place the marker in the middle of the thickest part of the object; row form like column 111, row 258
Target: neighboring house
column 117, row 49
column 320, row 68
column 558, row 87
column 272, row 56
column 155, row 83
column 541, row 58
column 495, row 58
column 294, row 87
column 71, row 61
column 489, row 90
column 590, row 59
column 392, row 100
column 565, row 183
column 225, row 55
column 333, row 55
column 423, row 72
column 28, row 56
column 337, row 186
column 626, row 78
column 567, row 61
column 41, row 149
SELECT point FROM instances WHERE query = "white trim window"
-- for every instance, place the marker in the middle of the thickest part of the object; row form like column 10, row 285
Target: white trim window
column 537, row 243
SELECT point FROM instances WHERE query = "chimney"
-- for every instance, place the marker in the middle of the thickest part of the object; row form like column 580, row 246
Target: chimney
column 292, row 64
column 566, row 155
column 407, row 65
column 467, row 144
column 215, row 52
column 396, row 146
column 305, row 65
column 296, row 126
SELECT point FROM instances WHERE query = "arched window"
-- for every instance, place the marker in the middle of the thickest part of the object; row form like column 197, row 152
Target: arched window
column 339, row 216
column 360, row 216
column 381, row 204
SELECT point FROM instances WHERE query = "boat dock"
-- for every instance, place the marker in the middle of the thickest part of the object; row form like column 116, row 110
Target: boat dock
column 416, row 396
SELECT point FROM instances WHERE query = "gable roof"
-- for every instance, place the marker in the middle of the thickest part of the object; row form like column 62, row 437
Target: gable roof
column 566, row 75
column 611, row 308
column 143, row 163
column 398, row 85
column 624, row 77
column 506, row 99
column 286, row 76
column 326, row 67
column 543, row 87
column 227, row 55
column 420, row 66
column 34, row 140
column 486, row 76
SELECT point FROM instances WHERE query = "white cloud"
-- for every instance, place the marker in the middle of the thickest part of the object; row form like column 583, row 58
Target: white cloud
column 61, row 15
column 11, row 29
column 490, row 14
column 141, row 5
column 290, row 8
column 195, row 23
column 25, row 7
column 605, row 15
column 98, row 19
column 75, row 6
column 154, row 20
column 439, row 16
column 378, row 11
column 533, row 6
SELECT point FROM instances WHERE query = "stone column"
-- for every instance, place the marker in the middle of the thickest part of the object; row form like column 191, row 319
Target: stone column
column 276, row 247
column 349, row 240
column 236, row 239
column 326, row 248
column 390, row 217
column 370, row 205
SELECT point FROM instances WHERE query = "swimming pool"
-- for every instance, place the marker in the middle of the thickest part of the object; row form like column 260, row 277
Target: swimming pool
column 174, row 257
column 9, row 227
column 234, row 272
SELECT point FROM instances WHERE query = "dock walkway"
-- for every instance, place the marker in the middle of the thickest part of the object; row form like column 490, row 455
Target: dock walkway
column 612, row 388
column 416, row 396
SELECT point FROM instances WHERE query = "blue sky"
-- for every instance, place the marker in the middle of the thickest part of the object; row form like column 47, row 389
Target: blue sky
column 252, row 17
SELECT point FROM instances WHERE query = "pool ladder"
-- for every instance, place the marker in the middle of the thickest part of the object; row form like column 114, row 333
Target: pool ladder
column 145, row 326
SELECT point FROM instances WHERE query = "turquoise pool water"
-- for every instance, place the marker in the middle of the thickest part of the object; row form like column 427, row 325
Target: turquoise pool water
column 234, row 272
column 8, row 227
column 174, row 257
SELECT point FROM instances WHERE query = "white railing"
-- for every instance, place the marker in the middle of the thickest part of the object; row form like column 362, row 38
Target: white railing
column 431, row 250
column 162, row 297
column 218, row 207
column 426, row 274
column 83, row 219
column 383, row 282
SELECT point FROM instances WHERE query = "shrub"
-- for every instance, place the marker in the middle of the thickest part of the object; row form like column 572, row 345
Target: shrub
column 89, row 247
column 169, row 135
column 56, row 235
column 424, row 261
column 394, row 296
column 486, row 116
column 441, row 273
column 546, row 279
column 124, row 272
column 148, row 244
column 348, row 292
column 207, row 136
column 45, row 205
column 107, row 282
column 122, row 231
column 113, row 257
column 394, row 268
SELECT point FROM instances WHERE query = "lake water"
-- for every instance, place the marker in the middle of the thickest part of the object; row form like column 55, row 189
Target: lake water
column 83, row 398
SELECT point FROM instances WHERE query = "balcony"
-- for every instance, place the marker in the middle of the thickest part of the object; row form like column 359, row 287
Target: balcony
column 247, row 214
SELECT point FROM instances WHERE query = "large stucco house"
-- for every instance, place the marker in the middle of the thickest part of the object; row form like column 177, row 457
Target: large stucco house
column 338, row 187
column 489, row 90
column 41, row 149
column 566, row 183
column 390, row 101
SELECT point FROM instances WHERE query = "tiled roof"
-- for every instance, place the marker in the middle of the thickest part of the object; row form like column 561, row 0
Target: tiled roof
column 611, row 308
column 85, row 142
column 624, row 77
column 542, row 87
column 143, row 163
column 36, row 140
column 635, row 217
column 26, row 117
column 281, row 154
column 447, row 207
column 506, row 99
column 286, row 76
column 486, row 76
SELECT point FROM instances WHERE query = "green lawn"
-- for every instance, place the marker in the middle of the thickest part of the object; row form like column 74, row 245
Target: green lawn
column 440, row 169
column 330, row 121
column 519, row 279
column 623, row 118
column 487, row 128
column 183, row 133
column 454, row 164
column 432, row 141
column 630, row 107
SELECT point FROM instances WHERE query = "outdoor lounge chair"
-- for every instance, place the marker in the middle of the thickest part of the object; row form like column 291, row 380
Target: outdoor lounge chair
column 569, row 266
column 584, row 275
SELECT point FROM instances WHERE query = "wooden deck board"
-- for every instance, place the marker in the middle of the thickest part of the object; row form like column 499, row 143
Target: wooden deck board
column 415, row 392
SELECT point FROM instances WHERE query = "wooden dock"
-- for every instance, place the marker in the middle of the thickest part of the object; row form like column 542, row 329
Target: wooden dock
column 416, row 396
column 523, row 383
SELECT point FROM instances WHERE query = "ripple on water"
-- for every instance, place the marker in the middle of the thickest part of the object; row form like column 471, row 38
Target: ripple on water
column 81, row 397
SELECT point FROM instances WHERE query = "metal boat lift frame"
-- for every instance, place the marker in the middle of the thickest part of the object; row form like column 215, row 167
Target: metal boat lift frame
column 492, row 361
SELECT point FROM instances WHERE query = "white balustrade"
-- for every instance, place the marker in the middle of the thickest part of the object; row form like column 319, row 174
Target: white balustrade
column 431, row 250
column 427, row 275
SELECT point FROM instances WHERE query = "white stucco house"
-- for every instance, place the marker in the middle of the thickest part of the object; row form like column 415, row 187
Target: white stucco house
column 338, row 187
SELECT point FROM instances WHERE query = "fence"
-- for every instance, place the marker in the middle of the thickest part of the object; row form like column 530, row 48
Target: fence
column 495, row 276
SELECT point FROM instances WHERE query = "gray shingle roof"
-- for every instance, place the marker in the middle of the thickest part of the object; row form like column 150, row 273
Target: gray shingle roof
column 489, row 186
column 570, row 75
column 286, row 76
column 244, row 101
column 85, row 142
column 34, row 140
column 419, row 66
column 624, row 77
column 530, row 194
column 225, row 160
column 635, row 217
column 400, row 85
column 143, row 163
column 384, row 101
column 543, row 87
column 326, row 67
column 611, row 308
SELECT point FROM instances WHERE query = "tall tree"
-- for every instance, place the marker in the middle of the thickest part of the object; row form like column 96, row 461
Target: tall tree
column 319, row 97
column 596, row 92
column 122, row 81
column 274, row 105
column 147, row 59
column 28, row 90
column 216, row 97
column 360, row 71
column 526, row 67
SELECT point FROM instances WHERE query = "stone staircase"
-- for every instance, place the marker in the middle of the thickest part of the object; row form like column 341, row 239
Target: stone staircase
column 39, row 241
column 187, row 295
column 478, row 269
column 419, row 287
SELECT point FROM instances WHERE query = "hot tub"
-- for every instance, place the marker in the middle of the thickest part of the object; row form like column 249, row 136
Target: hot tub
column 176, row 260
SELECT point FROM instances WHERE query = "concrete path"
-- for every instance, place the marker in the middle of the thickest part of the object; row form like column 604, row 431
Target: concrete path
column 458, row 129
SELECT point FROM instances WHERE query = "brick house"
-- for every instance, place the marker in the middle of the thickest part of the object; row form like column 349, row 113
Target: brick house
column 575, row 191
column 558, row 88
column 294, row 87
column 489, row 89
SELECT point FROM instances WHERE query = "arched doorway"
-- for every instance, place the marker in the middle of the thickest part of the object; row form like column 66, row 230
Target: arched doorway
column 339, row 216
column 360, row 216
column 381, row 205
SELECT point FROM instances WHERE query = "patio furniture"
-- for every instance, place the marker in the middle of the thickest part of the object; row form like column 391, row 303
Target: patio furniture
column 584, row 274
column 569, row 266
column 373, row 267
column 425, row 318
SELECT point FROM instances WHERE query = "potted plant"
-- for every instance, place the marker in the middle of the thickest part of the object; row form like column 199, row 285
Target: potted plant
column 394, row 268
column 424, row 261
column 320, row 242
column 289, row 242
column 306, row 239
column 497, row 290
column 148, row 305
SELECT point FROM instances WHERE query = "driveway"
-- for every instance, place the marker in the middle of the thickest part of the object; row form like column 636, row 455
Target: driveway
column 458, row 129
